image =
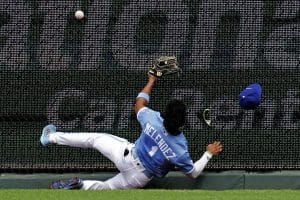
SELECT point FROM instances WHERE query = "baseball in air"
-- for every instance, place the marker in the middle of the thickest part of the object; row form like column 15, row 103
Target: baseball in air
column 79, row 14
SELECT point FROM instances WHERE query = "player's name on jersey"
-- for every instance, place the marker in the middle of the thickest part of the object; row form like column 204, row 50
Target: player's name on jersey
column 161, row 143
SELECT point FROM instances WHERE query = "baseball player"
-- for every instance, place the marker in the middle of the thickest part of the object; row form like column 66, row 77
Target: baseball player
column 160, row 148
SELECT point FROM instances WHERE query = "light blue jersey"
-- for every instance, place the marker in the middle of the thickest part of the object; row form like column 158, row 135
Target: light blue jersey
column 158, row 150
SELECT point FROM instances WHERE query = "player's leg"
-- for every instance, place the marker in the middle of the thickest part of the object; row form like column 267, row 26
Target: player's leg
column 109, row 145
column 132, row 175
column 120, row 181
column 76, row 183
column 116, row 182
column 129, row 180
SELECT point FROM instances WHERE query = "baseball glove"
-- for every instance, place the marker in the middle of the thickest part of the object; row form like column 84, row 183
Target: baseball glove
column 164, row 65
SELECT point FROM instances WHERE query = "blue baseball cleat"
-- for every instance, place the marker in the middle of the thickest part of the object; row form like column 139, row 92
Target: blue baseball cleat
column 74, row 183
column 47, row 130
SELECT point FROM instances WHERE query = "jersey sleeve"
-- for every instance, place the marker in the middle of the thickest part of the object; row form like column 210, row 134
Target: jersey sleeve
column 185, row 163
column 143, row 115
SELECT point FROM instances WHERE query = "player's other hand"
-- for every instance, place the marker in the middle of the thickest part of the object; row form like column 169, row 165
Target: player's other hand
column 215, row 148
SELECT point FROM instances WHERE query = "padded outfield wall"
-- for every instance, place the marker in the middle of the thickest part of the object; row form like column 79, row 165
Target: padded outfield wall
column 84, row 76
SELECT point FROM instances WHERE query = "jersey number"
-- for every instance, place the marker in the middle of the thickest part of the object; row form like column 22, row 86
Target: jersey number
column 153, row 151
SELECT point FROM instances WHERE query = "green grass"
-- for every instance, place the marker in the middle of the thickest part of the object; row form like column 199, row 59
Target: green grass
column 151, row 194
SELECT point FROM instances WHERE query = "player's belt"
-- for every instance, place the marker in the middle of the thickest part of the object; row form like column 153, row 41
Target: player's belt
column 136, row 158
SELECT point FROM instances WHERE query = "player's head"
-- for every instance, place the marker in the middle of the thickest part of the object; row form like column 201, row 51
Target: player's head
column 174, row 116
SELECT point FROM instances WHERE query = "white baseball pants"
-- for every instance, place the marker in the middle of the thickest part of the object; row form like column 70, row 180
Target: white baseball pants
column 131, row 171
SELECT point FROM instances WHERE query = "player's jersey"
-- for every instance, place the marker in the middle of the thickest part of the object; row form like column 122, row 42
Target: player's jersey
column 159, row 151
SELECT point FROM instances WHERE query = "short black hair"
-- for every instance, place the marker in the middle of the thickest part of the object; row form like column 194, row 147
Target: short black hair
column 174, row 116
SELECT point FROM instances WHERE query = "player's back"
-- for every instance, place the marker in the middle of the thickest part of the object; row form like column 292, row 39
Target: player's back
column 156, row 148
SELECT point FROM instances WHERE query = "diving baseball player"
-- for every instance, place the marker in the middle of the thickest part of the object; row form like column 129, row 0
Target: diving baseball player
column 160, row 148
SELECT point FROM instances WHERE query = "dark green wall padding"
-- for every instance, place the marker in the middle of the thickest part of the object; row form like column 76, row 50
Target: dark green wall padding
column 226, row 180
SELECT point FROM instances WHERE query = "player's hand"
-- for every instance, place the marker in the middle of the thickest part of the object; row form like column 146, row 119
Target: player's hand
column 215, row 148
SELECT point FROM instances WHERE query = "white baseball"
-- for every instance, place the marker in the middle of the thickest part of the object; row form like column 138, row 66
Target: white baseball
column 79, row 14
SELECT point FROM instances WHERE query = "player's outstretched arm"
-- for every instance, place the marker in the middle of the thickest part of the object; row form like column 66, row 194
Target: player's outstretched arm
column 212, row 149
column 144, row 96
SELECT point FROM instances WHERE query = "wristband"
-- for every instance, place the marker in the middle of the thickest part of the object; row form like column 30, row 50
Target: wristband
column 144, row 96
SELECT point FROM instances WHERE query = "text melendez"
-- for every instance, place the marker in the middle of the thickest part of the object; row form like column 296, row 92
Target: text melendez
column 162, row 145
